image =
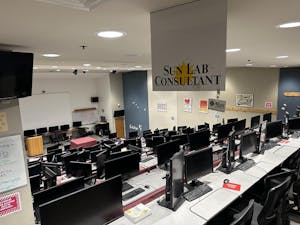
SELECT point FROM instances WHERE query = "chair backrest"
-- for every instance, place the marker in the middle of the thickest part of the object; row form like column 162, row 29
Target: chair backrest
column 245, row 216
column 274, row 195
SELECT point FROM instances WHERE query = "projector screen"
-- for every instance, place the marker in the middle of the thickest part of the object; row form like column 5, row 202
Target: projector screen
column 45, row 110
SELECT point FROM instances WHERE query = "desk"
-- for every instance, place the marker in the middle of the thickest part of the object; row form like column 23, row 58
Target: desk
column 209, row 205
column 83, row 142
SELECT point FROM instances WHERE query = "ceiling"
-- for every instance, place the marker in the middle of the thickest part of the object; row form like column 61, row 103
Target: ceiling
column 39, row 27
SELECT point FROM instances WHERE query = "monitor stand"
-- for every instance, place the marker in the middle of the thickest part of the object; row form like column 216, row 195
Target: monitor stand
column 194, row 184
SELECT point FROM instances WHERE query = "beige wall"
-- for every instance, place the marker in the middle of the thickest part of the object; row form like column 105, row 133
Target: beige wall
column 24, row 217
column 262, row 82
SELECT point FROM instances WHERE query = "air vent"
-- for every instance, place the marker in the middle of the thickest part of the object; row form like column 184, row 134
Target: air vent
column 85, row 5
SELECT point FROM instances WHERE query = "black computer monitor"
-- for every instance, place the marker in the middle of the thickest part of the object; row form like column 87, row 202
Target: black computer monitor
column 128, row 166
column 35, row 169
column 224, row 130
column 112, row 135
column 133, row 134
column 29, row 133
column 55, row 151
column 182, row 137
column 93, row 155
column 65, row 127
column 166, row 150
column 232, row 120
column 77, row 124
column 180, row 128
column 42, row 130
column 80, row 169
column 134, row 148
column 35, row 183
column 93, row 148
column 267, row 117
column 294, row 124
column 131, row 141
column 248, row 144
column 53, row 129
column 239, row 126
column 55, row 167
column 55, row 146
column 50, row 156
column 199, row 139
column 274, row 129
column 255, row 121
column 50, row 176
column 83, row 156
column 200, row 127
column 198, row 164
column 157, row 140
column 58, row 191
column 101, row 157
column 215, row 127
column 95, row 205
column 147, row 132
column 115, row 155
column 67, row 158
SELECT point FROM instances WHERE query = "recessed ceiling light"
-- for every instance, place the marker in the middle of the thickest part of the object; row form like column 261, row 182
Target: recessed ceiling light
column 137, row 66
column 110, row 34
column 51, row 55
column 249, row 64
column 282, row 57
column 35, row 67
column 289, row 25
column 98, row 67
column 233, row 50
column 58, row 70
column 86, row 64
column 54, row 67
column 273, row 66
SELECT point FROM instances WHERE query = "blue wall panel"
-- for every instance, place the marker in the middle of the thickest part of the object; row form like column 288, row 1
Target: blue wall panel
column 135, row 92
column 289, row 80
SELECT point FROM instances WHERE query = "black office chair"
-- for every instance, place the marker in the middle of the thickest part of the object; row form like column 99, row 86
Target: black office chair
column 245, row 216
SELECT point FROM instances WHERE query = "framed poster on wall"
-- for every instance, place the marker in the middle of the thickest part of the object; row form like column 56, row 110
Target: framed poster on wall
column 244, row 100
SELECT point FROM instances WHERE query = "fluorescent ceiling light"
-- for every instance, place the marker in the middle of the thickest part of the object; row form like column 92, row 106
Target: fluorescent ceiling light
column 110, row 34
column 86, row 64
column 54, row 66
column 282, row 57
column 233, row 50
column 249, row 64
column 137, row 66
column 51, row 55
column 289, row 25
column 273, row 66
column 58, row 70
column 35, row 67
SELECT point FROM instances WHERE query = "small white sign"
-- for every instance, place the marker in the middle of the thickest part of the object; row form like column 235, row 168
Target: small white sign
column 187, row 106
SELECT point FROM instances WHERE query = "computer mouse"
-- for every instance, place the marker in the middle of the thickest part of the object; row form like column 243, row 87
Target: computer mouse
column 147, row 186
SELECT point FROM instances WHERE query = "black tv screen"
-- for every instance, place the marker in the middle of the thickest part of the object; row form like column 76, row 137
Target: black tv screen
column 15, row 74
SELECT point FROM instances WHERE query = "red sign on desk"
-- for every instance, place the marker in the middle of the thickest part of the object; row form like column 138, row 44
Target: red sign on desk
column 232, row 186
column 10, row 204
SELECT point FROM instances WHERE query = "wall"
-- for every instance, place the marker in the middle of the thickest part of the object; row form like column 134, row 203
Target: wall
column 262, row 82
column 289, row 81
column 24, row 217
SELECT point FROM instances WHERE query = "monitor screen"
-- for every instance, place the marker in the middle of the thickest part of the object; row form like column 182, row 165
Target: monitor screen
column 180, row 128
column 29, row 133
column 95, row 205
column 166, row 150
column 127, row 166
column 116, row 155
column 255, row 121
column 239, row 125
column 199, row 139
column 183, row 139
column 80, row 169
column 177, row 177
column 65, row 127
column 198, row 164
column 267, row 117
column 35, row 169
column 224, row 130
column 248, row 143
column 232, row 120
column 215, row 127
column 93, row 155
column 41, row 130
column 35, row 183
column 157, row 140
column 15, row 74
column 77, row 124
column 67, row 158
column 294, row 124
column 133, row 134
column 274, row 129
column 53, row 129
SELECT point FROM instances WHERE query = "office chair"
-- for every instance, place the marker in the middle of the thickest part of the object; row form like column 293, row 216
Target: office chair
column 245, row 216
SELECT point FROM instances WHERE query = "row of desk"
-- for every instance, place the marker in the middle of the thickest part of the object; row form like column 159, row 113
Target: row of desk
column 201, row 210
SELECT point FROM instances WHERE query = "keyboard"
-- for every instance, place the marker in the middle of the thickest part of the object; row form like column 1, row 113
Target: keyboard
column 197, row 192
column 126, row 187
column 246, row 165
column 132, row 194
column 147, row 159
column 269, row 145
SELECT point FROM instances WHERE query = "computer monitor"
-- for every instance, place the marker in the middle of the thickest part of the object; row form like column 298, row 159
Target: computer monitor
column 267, row 117
column 50, row 176
column 131, row 141
column 83, row 156
column 115, row 155
column 65, row 127
column 171, row 133
column 55, row 151
column 188, row 130
column 35, row 183
column 239, row 126
column 294, row 124
column 77, row 124
column 112, row 135
column 80, row 169
column 255, row 121
column 42, row 130
column 157, row 140
column 50, row 156
column 199, row 139
column 274, row 129
column 134, row 148
column 35, row 169
column 95, row 205
column 53, row 129
column 215, row 127
column 93, row 155
column 180, row 128
column 93, row 148
column 200, row 127
column 55, row 146
column 29, row 133
column 147, row 132
column 198, row 164
column 67, row 158
column 127, row 166
column 248, row 144
column 224, row 130
column 55, row 167
column 182, row 137
column 232, row 120
column 100, row 163
column 166, row 150
column 133, row 134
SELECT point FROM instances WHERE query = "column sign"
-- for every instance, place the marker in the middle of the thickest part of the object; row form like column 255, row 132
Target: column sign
column 188, row 46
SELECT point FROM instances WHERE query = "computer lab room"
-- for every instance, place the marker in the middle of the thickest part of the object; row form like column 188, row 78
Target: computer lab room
column 149, row 112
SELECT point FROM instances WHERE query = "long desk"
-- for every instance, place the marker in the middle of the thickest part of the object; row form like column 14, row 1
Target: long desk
column 203, row 209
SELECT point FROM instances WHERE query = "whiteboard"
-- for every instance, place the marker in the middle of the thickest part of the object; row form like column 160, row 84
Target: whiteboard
column 86, row 116
column 45, row 110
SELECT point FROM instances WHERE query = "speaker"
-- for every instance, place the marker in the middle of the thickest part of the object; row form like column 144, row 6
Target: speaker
column 94, row 99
